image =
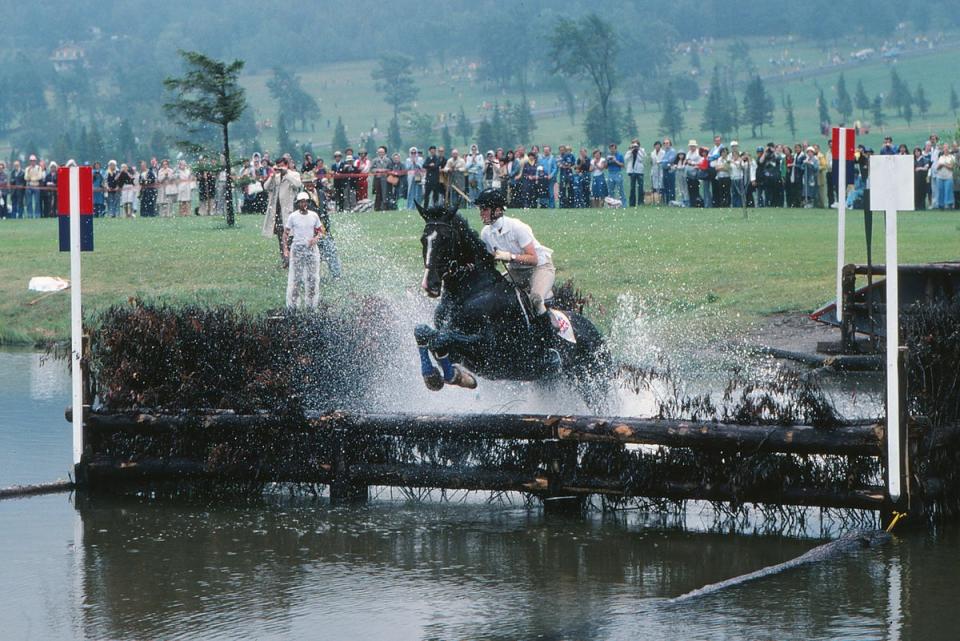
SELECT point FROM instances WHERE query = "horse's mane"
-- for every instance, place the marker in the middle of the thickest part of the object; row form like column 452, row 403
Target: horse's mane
column 472, row 237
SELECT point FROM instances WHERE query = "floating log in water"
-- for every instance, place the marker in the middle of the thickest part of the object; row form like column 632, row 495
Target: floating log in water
column 862, row 440
column 838, row 362
column 21, row 491
column 847, row 543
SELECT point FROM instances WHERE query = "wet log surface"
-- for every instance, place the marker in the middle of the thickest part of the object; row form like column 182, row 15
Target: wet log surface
column 863, row 440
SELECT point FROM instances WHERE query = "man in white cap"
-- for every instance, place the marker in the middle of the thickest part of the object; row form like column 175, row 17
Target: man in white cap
column 282, row 186
column 33, row 174
column 414, row 168
column 301, row 233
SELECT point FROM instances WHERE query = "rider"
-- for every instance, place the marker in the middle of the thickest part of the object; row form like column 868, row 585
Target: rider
column 529, row 263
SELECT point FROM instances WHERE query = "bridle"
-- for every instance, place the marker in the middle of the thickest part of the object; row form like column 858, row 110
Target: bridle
column 454, row 268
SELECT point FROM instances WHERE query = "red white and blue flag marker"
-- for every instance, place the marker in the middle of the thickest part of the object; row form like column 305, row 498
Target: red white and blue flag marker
column 842, row 149
column 75, row 209
column 75, row 194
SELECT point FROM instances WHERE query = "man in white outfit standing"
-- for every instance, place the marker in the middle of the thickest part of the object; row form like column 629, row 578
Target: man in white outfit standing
column 302, row 231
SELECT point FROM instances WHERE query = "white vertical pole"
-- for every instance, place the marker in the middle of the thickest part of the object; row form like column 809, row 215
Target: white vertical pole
column 841, row 217
column 893, row 351
column 76, row 317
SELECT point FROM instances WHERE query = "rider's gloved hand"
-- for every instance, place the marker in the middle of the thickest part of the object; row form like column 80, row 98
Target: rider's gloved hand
column 503, row 255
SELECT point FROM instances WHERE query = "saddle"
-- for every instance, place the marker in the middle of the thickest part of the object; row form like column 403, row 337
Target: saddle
column 559, row 320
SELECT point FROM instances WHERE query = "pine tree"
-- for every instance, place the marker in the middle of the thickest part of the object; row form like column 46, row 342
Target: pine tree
column 394, row 139
column 899, row 95
column 713, row 111
column 732, row 109
column 908, row 113
column 954, row 101
column 502, row 132
column 630, row 123
column 791, row 119
column 464, row 127
column 595, row 127
column 522, row 119
column 862, row 100
column 485, row 135
column 757, row 106
column 95, row 146
column 126, row 142
column 340, row 141
column 923, row 105
column 823, row 114
column 879, row 119
column 671, row 121
column 284, row 140
column 446, row 138
column 844, row 103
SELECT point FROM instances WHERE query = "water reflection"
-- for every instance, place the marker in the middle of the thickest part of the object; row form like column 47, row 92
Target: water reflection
column 277, row 569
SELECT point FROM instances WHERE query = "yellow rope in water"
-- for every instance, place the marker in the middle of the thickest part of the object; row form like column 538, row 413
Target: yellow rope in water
column 896, row 517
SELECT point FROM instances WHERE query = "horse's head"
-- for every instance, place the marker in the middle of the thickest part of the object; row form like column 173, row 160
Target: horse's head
column 441, row 246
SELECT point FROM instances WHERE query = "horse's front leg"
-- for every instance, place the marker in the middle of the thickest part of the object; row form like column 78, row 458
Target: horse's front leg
column 440, row 342
column 431, row 375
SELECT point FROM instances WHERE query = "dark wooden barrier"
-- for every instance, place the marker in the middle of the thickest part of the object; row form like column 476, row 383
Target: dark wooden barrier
column 329, row 449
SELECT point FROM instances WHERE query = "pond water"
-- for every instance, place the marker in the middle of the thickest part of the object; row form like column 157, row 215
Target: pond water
column 295, row 568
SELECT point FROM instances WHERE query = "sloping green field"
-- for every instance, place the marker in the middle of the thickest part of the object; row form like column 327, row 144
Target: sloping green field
column 347, row 90
column 682, row 263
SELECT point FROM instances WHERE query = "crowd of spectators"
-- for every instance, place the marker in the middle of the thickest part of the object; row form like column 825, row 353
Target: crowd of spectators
column 719, row 175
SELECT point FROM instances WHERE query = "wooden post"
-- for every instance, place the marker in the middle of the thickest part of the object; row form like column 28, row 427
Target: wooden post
column 848, row 328
column 562, row 456
column 343, row 489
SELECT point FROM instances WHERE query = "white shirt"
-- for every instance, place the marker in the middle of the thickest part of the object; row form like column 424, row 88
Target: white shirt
column 512, row 235
column 303, row 227
column 631, row 166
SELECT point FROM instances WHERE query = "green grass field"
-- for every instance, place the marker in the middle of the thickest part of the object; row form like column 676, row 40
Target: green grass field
column 347, row 90
column 684, row 265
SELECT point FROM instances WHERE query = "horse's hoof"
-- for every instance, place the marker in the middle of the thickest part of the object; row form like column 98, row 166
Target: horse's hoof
column 463, row 378
column 434, row 381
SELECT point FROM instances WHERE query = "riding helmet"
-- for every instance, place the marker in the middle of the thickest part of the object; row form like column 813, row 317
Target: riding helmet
column 491, row 198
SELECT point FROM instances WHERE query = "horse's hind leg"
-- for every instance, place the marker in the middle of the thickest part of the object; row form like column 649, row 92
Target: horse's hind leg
column 431, row 375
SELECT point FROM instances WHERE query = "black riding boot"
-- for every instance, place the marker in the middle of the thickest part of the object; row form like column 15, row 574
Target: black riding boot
column 544, row 328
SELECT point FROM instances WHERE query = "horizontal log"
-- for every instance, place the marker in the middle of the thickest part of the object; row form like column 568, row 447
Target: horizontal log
column 880, row 270
column 865, row 440
column 104, row 470
column 21, row 491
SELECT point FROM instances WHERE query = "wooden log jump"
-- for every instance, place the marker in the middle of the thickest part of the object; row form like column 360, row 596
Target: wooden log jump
column 856, row 440
column 331, row 448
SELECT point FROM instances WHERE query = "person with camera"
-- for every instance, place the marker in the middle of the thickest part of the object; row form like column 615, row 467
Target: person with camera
column 636, row 158
column 414, row 169
column 615, row 164
column 282, row 186
column 768, row 169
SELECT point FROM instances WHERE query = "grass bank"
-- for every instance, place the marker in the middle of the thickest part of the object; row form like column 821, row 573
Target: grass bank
column 679, row 262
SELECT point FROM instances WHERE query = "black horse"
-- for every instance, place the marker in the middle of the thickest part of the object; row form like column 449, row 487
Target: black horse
column 483, row 322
